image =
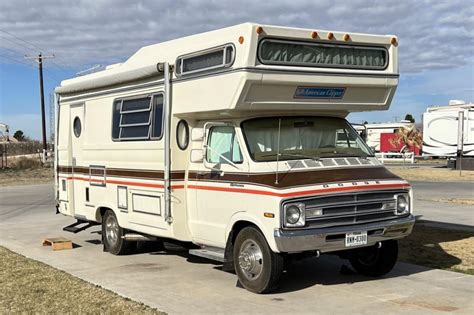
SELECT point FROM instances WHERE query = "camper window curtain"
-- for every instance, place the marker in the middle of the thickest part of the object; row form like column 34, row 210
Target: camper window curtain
column 302, row 137
column 322, row 55
column 223, row 143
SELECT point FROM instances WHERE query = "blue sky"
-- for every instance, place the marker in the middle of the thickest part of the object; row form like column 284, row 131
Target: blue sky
column 436, row 42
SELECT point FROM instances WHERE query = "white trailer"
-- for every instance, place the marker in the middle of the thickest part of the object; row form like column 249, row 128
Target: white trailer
column 371, row 132
column 445, row 134
column 236, row 141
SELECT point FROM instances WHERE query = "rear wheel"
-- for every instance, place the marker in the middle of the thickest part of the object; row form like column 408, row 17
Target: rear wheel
column 373, row 261
column 112, row 236
column 257, row 267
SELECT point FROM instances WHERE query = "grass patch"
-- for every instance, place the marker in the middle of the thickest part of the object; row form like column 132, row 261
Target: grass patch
column 28, row 286
column 431, row 174
column 439, row 248
column 30, row 176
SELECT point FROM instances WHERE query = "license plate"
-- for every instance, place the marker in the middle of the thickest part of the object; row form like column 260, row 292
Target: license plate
column 356, row 239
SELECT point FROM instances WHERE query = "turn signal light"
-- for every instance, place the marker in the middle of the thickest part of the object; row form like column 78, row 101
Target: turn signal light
column 268, row 215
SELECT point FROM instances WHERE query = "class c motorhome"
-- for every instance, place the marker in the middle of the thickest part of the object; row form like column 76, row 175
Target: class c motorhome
column 235, row 141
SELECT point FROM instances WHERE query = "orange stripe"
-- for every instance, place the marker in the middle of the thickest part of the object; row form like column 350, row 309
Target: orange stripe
column 249, row 191
column 298, row 193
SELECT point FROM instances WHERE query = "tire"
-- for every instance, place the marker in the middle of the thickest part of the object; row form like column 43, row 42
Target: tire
column 112, row 236
column 257, row 267
column 373, row 261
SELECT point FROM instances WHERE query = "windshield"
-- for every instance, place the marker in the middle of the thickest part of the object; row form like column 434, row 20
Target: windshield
column 302, row 138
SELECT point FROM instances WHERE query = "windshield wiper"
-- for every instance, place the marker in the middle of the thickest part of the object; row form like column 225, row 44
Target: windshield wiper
column 314, row 158
column 344, row 154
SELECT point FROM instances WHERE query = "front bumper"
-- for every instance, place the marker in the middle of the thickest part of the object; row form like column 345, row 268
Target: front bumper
column 333, row 239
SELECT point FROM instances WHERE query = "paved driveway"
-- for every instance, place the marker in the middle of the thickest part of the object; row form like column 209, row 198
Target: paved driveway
column 426, row 206
column 179, row 283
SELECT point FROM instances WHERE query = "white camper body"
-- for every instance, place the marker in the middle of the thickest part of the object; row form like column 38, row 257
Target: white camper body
column 441, row 130
column 205, row 139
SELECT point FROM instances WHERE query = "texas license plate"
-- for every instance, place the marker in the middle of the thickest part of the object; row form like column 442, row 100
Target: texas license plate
column 356, row 239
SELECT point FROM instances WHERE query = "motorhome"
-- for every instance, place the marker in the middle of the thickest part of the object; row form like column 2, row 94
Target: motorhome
column 235, row 141
column 443, row 127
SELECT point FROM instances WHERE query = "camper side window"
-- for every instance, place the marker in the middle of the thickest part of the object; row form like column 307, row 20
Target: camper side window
column 138, row 118
column 223, row 145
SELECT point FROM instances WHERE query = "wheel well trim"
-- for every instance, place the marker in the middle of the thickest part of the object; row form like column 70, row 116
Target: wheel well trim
column 245, row 217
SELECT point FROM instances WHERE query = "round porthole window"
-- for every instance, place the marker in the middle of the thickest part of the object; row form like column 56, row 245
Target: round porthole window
column 182, row 134
column 77, row 127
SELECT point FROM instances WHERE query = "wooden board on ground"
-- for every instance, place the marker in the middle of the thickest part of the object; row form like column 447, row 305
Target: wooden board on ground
column 58, row 243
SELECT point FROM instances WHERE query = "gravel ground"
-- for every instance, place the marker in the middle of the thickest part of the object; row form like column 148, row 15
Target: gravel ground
column 15, row 177
column 433, row 174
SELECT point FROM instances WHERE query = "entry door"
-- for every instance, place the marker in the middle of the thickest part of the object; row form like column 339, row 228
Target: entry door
column 77, row 187
column 217, row 203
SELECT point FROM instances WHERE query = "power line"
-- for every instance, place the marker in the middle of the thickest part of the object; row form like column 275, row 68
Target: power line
column 25, row 41
column 17, row 43
column 17, row 61
column 59, row 65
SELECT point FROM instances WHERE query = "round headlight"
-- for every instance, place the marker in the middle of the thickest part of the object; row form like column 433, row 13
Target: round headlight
column 403, row 205
column 293, row 214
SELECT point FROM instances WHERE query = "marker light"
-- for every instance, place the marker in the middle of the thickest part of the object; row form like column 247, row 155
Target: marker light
column 394, row 41
column 241, row 39
column 347, row 37
column 314, row 35
column 259, row 30
column 330, row 35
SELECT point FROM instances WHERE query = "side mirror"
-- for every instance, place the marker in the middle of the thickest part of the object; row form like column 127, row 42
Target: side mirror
column 197, row 134
column 197, row 155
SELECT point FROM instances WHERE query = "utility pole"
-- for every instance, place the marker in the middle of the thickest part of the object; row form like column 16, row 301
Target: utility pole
column 39, row 59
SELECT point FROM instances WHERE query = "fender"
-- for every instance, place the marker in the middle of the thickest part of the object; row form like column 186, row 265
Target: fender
column 98, row 217
column 265, row 227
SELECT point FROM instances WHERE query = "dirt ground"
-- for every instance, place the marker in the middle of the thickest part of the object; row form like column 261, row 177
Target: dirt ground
column 31, row 287
column 432, row 174
column 14, row 177
column 439, row 248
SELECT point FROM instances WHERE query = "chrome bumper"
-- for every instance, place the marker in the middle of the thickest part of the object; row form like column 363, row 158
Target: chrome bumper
column 333, row 239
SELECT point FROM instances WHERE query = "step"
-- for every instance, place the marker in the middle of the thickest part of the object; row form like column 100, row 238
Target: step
column 212, row 253
column 79, row 226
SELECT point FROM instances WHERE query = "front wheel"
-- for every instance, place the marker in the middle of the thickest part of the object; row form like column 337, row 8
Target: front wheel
column 257, row 267
column 373, row 261
column 112, row 236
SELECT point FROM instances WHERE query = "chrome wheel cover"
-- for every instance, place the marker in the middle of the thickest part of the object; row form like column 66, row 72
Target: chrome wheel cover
column 111, row 230
column 250, row 259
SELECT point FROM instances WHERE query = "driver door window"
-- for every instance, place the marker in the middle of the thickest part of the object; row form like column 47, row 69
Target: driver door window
column 222, row 145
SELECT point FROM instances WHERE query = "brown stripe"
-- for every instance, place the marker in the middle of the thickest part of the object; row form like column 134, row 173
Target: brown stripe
column 300, row 178
column 285, row 179
column 132, row 173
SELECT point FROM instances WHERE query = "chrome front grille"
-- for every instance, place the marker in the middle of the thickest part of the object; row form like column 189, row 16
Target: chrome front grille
column 350, row 209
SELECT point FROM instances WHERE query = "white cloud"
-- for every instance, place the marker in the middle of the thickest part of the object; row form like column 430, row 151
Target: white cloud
column 432, row 34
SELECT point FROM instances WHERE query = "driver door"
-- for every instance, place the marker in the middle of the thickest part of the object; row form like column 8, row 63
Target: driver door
column 216, row 201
